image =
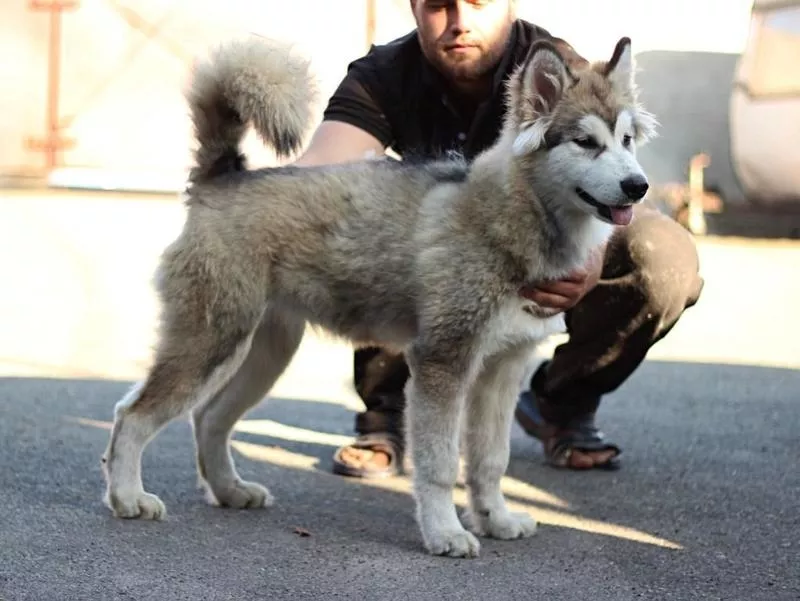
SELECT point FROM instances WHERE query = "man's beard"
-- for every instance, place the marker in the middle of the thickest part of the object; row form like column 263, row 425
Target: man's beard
column 468, row 69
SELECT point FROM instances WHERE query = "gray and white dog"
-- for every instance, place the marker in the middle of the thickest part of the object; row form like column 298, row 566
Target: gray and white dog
column 428, row 258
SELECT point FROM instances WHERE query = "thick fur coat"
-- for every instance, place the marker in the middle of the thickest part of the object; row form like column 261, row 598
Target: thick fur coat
column 428, row 258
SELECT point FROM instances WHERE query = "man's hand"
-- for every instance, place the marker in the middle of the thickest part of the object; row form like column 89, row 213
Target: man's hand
column 566, row 293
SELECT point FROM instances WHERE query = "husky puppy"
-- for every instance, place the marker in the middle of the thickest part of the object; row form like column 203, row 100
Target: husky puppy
column 430, row 258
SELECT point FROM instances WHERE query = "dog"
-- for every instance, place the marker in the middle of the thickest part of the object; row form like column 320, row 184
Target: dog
column 429, row 258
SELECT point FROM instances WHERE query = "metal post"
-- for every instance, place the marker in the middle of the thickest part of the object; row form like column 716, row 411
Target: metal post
column 52, row 142
column 370, row 23
column 696, row 219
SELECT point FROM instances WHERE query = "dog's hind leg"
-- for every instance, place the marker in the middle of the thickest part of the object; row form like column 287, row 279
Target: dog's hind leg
column 490, row 408
column 193, row 361
column 273, row 346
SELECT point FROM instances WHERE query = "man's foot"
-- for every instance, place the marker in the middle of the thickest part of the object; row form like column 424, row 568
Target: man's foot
column 576, row 445
column 370, row 456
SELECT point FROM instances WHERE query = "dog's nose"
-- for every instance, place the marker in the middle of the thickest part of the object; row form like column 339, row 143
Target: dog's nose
column 635, row 187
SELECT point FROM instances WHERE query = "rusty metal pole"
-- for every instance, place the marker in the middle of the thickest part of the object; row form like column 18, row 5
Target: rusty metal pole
column 53, row 87
column 52, row 142
column 370, row 23
column 696, row 220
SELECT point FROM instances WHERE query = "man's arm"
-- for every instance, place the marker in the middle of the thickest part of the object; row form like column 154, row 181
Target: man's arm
column 354, row 125
column 339, row 142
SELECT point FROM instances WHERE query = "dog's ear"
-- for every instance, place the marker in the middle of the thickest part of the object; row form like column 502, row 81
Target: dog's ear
column 575, row 62
column 620, row 69
column 544, row 78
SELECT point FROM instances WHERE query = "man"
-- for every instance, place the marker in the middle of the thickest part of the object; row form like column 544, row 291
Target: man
column 440, row 89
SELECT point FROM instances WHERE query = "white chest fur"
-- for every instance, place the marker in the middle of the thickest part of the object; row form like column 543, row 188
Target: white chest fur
column 594, row 234
column 514, row 325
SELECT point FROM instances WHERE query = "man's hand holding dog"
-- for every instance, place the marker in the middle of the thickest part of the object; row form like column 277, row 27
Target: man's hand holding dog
column 564, row 294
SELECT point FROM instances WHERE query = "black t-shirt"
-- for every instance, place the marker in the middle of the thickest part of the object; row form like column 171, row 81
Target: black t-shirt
column 394, row 94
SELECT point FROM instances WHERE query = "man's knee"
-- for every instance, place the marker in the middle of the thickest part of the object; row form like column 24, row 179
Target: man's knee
column 661, row 257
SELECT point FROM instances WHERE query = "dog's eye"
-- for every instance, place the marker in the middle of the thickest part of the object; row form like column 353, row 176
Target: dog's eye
column 626, row 140
column 587, row 142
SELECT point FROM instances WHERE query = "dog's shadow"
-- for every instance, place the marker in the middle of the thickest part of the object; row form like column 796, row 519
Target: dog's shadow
column 285, row 444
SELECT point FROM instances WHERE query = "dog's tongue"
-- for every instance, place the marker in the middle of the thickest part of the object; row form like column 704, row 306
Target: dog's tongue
column 621, row 215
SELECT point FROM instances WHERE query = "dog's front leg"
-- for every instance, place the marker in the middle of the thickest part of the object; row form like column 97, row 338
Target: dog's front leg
column 435, row 394
column 490, row 407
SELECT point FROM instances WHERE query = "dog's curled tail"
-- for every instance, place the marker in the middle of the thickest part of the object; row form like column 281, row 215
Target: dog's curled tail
column 256, row 81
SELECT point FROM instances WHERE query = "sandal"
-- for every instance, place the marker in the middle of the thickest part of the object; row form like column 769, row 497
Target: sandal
column 391, row 444
column 579, row 434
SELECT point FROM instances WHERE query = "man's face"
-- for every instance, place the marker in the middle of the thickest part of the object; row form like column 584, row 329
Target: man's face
column 463, row 39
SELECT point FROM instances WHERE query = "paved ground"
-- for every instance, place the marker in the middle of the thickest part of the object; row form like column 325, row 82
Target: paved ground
column 706, row 506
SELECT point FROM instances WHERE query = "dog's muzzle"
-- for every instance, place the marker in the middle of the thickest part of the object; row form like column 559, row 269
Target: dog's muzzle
column 618, row 215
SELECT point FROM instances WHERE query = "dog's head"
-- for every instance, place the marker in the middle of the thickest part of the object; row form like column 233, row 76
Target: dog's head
column 575, row 127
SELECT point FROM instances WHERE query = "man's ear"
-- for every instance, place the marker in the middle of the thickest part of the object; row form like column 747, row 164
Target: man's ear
column 620, row 69
column 543, row 79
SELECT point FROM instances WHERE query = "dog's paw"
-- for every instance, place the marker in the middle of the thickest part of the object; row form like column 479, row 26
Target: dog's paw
column 135, row 505
column 453, row 543
column 503, row 525
column 242, row 495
